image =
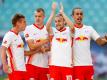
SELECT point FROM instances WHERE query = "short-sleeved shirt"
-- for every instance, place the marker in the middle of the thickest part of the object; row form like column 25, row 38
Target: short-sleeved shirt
column 15, row 51
column 37, row 34
column 81, row 47
column 61, row 51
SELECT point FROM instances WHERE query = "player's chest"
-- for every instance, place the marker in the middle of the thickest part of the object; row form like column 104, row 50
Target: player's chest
column 82, row 35
column 64, row 34
column 17, row 42
column 38, row 34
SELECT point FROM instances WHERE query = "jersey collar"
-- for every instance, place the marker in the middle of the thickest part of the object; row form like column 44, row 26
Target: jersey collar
column 62, row 29
column 38, row 26
column 14, row 32
column 78, row 26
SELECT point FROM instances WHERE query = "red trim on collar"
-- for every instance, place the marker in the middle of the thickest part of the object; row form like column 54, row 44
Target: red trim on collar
column 62, row 29
column 38, row 27
column 14, row 32
column 78, row 26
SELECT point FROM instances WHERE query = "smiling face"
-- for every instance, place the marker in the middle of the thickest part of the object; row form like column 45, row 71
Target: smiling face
column 59, row 22
column 77, row 15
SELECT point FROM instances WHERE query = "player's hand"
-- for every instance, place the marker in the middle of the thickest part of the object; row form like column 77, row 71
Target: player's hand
column 105, row 36
column 73, row 30
column 61, row 8
column 6, row 68
column 45, row 49
column 54, row 6
column 45, row 41
column 42, row 49
column 104, row 39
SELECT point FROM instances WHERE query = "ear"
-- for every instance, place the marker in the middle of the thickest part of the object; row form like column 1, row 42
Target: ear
column 17, row 23
column 72, row 16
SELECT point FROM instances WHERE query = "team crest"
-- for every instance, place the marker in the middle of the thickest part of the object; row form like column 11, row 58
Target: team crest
column 27, row 35
column 5, row 42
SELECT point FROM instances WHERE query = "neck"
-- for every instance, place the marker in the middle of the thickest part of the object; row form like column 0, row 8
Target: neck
column 78, row 25
column 39, row 25
column 62, row 29
column 15, row 30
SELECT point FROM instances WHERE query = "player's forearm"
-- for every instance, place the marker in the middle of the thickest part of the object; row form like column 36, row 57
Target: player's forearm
column 101, row 41
column 4, row 60
column 3, row 56
column 67, row 20
column 49, row 22
column 29, row 53
column 34, row 46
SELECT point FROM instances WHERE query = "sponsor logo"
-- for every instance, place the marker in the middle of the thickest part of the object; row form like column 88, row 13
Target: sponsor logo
column 61, row 40
column 81, row 38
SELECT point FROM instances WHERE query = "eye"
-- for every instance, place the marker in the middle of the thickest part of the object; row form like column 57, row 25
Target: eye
column 81, row 13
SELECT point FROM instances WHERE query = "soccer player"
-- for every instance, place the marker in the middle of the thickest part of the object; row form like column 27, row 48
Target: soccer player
column 36, row 36
column 83, row 67
column 13, row 50
column 61, row 50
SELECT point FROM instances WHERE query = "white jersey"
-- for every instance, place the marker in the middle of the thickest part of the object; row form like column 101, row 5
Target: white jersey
column 15, row 52
column 37, row 34
column 81, row 46
column 61, row 51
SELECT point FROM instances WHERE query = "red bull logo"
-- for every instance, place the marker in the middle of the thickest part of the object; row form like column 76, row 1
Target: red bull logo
column 61, row 40
column 81, row 38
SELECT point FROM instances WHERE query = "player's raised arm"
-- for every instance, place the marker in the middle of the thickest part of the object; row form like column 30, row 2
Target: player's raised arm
column 67, row 20
column 49, row 22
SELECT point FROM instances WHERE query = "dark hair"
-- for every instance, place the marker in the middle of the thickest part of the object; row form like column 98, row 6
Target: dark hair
column 40, row 10
column 75, row 9
column 16, row 18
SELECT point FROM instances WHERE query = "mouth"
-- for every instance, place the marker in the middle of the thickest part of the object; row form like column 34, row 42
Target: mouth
column 79, row 19
column 58, row 27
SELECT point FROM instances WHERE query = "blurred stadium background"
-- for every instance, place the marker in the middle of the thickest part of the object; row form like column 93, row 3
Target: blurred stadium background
column 95, row 15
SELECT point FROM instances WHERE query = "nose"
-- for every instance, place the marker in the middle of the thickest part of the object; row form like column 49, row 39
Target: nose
column 79, row 15
column 37, row 17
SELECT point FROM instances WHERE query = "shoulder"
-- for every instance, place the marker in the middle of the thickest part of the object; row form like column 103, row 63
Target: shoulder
column 28, row 28
column 9, row 34
column 87, row 27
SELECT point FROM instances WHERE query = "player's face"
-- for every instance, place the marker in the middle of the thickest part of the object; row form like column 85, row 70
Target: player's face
column 39, row 18
column 21, row 24
column 78, row 16
column 59, row 22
